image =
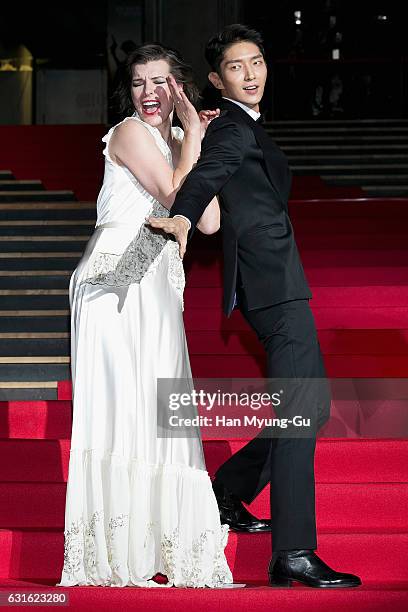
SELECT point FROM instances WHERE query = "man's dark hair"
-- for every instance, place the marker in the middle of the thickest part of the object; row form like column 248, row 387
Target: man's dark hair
column 143, row 54
column 217, row 45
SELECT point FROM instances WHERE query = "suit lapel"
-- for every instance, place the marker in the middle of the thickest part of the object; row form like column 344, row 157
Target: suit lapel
column 276, row 164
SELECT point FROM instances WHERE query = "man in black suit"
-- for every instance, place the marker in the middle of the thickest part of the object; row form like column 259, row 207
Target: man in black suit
column 264, row 276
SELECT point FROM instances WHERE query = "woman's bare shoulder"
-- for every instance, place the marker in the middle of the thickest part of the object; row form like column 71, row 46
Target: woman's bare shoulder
column 131, row 129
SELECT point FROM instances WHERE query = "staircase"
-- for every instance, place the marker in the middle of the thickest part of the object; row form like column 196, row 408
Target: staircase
column 42, row 235
column 353, row 245
column 371, row 154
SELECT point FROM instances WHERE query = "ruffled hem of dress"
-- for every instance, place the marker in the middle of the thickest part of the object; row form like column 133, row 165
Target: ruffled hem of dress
column 127, row 521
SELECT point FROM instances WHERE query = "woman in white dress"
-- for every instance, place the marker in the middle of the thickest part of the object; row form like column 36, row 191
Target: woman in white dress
column 138, row 505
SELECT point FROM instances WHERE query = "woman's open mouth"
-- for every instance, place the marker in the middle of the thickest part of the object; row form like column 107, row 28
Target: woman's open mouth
column 151, row 107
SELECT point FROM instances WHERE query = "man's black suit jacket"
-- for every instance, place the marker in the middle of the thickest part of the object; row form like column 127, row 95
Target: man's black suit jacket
column 250, row 175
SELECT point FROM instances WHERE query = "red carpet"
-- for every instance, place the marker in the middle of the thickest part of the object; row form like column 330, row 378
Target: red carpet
column 371, row 597
column 361, row 499
column 36, row 554
column 62, row 156
column 52, row 153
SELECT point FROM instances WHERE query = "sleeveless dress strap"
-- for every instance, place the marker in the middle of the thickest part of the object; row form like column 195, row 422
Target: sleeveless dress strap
column 108, row 136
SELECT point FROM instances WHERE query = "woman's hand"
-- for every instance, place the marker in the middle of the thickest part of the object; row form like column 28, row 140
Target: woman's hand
column 183, row 107
column 206, row 116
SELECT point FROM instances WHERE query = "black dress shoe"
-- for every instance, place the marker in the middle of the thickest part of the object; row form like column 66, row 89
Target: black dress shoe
column 234, row 513
column 306, row 567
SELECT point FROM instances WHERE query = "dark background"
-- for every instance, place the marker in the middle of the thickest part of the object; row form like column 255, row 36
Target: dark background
column 74, row 32
column 372, row 67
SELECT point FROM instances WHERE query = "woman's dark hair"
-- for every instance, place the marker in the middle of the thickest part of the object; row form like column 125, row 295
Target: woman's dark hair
column 181, row 71
column 217, row 45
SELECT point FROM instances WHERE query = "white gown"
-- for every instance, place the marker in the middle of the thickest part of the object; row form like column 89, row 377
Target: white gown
column 136, row 504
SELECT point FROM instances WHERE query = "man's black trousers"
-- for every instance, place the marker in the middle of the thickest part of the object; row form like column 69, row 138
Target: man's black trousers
column 288, row 334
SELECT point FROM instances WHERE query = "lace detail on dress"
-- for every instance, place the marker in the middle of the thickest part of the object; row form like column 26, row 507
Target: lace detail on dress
column 141, row 257
column 176, row 270
column 74, row 548
column 114, row 523
column 183, row 567
column 80, row 547
column 188, row 566
column 222, row 573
